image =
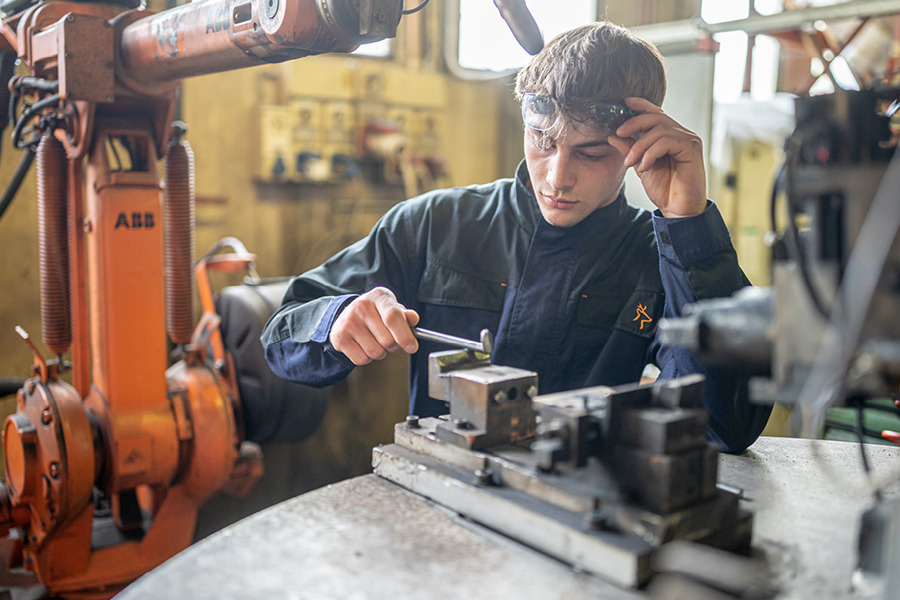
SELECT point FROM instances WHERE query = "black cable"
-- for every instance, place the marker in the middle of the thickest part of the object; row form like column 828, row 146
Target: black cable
column 872, row 433
column 794, row 244
column 17, row 86
column 30, row 146
column 859, row 402
column 27, row 115
column 37, row 83
column 892, row 409
column 7, row 70
column 416, row 9
column 802, row 260
column 10, row 385
column 13, row 186
column 773, row 202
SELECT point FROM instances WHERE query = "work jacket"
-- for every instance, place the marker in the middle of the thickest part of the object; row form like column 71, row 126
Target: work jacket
column 578, row 305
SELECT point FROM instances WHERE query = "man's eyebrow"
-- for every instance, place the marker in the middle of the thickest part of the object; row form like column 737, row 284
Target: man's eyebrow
column 591, row 144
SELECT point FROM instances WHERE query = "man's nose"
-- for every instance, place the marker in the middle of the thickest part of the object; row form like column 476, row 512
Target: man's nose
column 561, row 174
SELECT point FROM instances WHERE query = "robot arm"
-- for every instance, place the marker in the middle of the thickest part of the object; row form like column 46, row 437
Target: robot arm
column 149, row 52
column 207, row 37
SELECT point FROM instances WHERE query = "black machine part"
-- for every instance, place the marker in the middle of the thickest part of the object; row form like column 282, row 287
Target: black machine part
column 274, row 410
column 727, row 332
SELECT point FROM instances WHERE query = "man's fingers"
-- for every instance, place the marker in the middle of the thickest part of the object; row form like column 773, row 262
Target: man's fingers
column 397, row 327
column 412, row 319
column 352, row 335
column 351, row 349
column 372, row 326
column 622, row 144
column 642, row 105
column 660, row 141
column 381, row 330
column 659, row 149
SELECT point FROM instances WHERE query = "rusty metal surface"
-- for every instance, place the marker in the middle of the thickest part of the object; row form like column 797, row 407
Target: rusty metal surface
column 369, row 539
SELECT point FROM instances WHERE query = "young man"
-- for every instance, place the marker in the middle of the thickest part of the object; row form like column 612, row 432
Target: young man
column 569, row 278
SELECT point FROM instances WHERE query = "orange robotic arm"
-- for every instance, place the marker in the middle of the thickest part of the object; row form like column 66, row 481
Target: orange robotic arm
column 147, row 440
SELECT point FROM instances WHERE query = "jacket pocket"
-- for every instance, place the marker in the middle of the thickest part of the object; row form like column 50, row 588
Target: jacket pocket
column 637, row 312
column 599, row 310
column 444, row 286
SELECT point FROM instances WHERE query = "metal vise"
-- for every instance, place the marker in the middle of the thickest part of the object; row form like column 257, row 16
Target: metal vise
column 652, row 439
column 490, row 405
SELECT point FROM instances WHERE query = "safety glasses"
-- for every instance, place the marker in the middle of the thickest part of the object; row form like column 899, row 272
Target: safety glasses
column 542, row 114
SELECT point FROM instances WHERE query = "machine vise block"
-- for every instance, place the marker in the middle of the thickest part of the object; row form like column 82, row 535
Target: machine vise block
column 490, row 405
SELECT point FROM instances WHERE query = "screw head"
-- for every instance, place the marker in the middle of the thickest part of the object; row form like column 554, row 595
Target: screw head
column 484, row 477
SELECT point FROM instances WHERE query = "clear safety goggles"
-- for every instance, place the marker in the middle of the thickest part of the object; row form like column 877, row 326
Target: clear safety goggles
column 542, row 114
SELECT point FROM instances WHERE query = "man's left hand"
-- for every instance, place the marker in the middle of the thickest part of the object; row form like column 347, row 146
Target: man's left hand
column 667, row 157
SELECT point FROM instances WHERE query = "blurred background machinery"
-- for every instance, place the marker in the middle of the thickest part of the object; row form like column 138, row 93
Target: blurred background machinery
column 825, row 333
column 824, row 336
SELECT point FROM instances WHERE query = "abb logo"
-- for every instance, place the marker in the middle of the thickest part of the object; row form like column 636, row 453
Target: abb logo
column 135, row 220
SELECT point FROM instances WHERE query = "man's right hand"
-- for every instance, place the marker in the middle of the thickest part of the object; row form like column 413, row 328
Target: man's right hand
column 372, row 326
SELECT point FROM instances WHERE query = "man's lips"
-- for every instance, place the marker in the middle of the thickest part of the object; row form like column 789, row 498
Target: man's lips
column 556, row 202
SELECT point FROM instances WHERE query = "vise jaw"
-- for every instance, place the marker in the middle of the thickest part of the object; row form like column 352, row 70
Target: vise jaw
column 490, row 405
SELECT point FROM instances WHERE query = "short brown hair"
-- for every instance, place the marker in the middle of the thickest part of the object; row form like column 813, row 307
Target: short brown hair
column 598, row 61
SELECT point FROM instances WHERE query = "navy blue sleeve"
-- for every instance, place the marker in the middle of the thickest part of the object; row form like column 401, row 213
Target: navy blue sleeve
column 697, row 261
column 313, row 362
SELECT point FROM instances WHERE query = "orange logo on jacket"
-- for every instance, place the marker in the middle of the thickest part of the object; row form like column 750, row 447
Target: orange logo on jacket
column 642, row 315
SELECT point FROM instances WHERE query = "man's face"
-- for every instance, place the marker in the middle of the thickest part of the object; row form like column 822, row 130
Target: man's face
column 573, row 174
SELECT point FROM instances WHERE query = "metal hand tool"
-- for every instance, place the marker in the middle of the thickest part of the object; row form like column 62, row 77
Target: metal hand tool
column 485, row 345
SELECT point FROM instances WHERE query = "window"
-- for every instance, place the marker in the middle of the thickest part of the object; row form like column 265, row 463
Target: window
column 731, row 60
column 381, row 49
column 486, row 43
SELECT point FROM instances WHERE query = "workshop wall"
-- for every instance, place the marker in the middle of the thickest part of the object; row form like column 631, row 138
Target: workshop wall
column 19, row 299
